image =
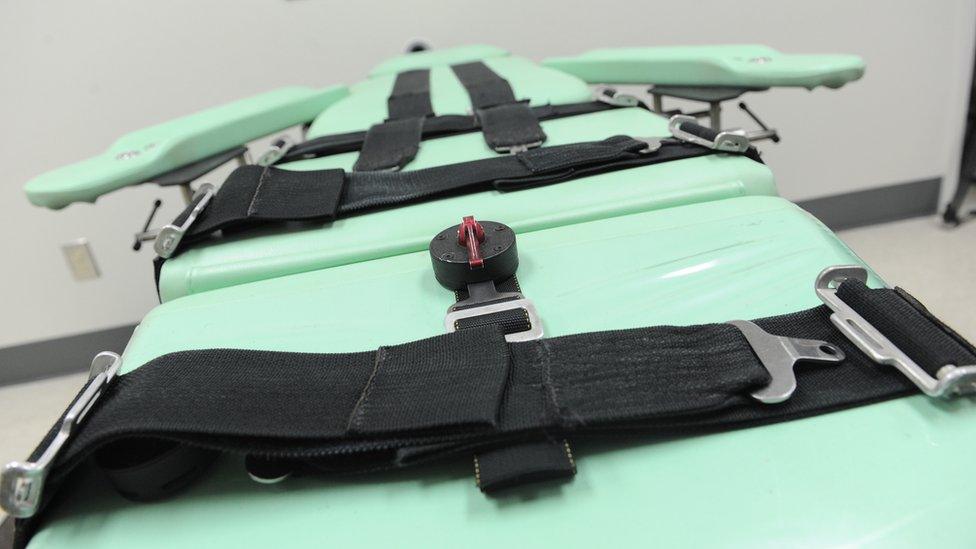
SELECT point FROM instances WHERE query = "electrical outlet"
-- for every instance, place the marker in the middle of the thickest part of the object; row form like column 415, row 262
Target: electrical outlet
column 81, row 261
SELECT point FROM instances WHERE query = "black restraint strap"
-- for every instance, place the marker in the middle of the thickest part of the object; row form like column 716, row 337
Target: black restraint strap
column 433, row 127
column 465, row 392
column 394, row 143
column 410, row 96
column 507, row 123
column 545, row 458
column 255, row 195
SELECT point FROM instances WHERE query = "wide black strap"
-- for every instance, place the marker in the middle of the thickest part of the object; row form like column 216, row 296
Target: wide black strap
column 256, row 196
column 471, row 391
column 507, row 123
column 392, row 144
column 433, row 127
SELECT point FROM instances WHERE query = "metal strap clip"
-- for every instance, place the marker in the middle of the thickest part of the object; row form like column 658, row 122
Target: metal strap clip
column 485, row 299
column 949, row 381
column 21, row 483
column 170, row 236
column 779, row 355
column 726, row 141
column 279, row 148
column 610, row 96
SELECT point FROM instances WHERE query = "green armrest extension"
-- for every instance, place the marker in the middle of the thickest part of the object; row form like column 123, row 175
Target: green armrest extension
column 141, row 155
column 749, row 66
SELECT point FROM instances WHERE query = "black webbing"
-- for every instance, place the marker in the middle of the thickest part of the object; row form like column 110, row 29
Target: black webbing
column 529, row 461
column 255, row 195
column 506, row 122
column 410, row 96
column 470, row 391
column 433, row 127
column 393, row 143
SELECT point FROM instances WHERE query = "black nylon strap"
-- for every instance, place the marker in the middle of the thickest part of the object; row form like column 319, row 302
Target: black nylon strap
column 390, row 145
column 255, row 195
column 410, row 96
column 505, row 122
column 522, row 462
column 394, row 143
column 511, row 466
column 432, row 127
column 470, row 391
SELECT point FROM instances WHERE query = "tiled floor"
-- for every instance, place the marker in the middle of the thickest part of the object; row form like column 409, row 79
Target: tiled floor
column 935, row 264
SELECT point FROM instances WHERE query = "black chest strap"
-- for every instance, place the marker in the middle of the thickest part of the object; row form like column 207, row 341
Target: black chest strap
column 254, row 196
column 509, row 125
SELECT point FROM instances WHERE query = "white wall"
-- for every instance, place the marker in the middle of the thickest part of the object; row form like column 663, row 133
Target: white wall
column 74, row 75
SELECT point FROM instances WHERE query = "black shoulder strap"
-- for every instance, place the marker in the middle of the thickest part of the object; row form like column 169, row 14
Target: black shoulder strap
column 509, row 125
column 433, row 126
column 394, row 143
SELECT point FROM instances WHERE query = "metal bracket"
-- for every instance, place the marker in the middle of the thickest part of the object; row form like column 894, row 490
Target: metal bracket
column 726, row 141
column 515, row 149
column 950, row 380
column 610, row 96
column 22, row 483
column 169, row 237
column 485, row 299
column 779, row 354
column 279, row 148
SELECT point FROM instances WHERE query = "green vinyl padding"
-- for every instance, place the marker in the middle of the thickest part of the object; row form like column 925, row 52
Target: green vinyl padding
column 862, row 477
column 141, row 155
column 751, row 66
column 366, row 104
column 407, row 229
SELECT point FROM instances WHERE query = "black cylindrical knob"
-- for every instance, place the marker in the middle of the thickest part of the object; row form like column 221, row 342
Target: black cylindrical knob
column 455, row 268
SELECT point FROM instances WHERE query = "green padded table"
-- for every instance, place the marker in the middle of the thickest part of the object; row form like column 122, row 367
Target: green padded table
column 869, row 476
column 408, row 229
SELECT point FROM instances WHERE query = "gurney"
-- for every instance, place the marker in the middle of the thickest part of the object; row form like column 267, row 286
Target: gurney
column 642, row 431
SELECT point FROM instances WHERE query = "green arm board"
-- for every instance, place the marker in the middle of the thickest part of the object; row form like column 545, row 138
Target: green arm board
column 146, row 153
column 750, row 66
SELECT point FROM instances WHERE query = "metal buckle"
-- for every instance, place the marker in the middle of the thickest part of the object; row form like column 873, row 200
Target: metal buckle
column 779, row 355
column 515, row 149
column 279, row 148
column 21, row 483
column 169, row 237
column 726, row 141
column 610, row 96
column 950, row 380
column 535, row 324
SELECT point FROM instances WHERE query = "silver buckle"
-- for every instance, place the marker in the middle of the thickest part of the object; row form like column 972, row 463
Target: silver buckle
column 169, row 237
column 515, row 149
column 950, row 380
column 726, row 141
column 21, row 483
column 279, row 148
column 779, row 355
column 609, row 95
column 535, row 324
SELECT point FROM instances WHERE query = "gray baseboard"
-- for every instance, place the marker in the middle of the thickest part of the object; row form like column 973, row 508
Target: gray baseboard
column 59, row 356
column 72, row 354
column 879, row 205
